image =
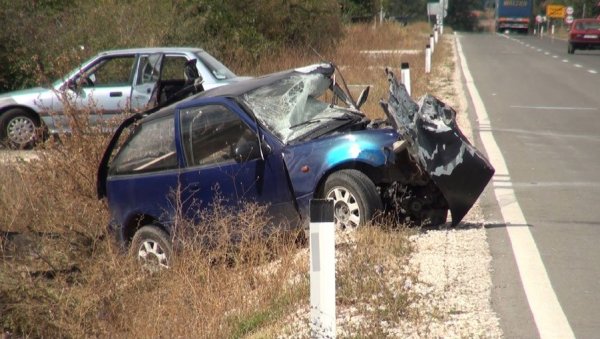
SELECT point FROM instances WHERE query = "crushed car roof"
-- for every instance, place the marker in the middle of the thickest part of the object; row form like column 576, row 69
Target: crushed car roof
column 242, row 87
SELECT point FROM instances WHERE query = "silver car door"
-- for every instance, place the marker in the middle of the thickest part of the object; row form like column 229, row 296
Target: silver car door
column 101, row 90
column 147, row 76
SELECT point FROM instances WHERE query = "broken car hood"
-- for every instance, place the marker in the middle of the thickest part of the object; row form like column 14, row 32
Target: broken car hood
column 459, row 170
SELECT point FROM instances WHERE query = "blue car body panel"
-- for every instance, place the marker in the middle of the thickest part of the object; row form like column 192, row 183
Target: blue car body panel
column 147, row 194
column 308, row 163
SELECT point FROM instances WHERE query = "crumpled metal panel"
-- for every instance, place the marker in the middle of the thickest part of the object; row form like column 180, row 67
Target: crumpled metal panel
column 435, row 141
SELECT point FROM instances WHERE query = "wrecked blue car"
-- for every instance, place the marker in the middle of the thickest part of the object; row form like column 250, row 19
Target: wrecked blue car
column 282, row 140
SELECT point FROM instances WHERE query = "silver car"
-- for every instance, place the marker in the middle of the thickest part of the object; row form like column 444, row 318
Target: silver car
column 108, row 84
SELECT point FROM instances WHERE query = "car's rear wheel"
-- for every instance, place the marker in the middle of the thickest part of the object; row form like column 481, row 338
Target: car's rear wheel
column 571, row 48
column 355, row 197
column 18, row 128
column 151, row 245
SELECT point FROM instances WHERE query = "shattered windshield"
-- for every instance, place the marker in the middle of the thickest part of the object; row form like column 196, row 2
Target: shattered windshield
column 291, row 107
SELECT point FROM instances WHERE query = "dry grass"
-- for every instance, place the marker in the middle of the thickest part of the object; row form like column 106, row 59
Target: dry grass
column 61, row 274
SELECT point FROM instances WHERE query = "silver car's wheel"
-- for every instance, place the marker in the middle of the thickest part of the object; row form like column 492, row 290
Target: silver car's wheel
column 152, row 247
column 18, row 128
column 355, row 198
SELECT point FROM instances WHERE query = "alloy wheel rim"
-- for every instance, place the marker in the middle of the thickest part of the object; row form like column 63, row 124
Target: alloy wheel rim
column 152, row 255
column 21, row 130
column 345, row 207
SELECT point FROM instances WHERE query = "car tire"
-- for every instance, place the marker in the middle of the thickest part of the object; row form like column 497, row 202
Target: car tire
column 356, row 200
column 571, row 49
column 151, row 245
column 19, row 128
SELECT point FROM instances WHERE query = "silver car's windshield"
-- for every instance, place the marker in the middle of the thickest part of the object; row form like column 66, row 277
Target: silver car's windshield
column 291, row 107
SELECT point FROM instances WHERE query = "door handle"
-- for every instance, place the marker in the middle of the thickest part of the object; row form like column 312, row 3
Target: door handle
column 116, row 94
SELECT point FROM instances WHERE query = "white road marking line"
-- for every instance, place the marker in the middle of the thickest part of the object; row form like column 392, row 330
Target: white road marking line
column 592, row 71
column 555, row 56
column 577, row 65
column 539, row 49
column 550, row 184
column 529, row 132
column 547, row 312
column 547, row 53
column 565, row 60
column 558, row 108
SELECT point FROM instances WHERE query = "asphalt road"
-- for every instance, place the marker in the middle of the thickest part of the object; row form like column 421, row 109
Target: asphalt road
column 544, row 111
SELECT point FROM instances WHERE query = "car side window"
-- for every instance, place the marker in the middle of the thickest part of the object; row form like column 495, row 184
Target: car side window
column 110, row 72
column 148, row 69
column 151, row 147
column 211, row 134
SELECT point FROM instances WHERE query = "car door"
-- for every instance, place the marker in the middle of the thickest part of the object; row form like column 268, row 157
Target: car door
column 104, row 87
column 158, row 77
column 147, row 76
column 223, row 158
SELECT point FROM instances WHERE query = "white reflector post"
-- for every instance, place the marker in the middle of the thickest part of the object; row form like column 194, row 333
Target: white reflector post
column 427, row 59
column 432, row 43
column 322, row 269
column 435, row 35
column 405, row 76
column 553, row 24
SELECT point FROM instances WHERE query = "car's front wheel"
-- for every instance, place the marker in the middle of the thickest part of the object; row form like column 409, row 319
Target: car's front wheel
column 18, row 128
column 355, row 198
column 152, row 247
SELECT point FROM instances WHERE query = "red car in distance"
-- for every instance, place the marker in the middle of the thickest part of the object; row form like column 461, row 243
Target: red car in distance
column 584, row 34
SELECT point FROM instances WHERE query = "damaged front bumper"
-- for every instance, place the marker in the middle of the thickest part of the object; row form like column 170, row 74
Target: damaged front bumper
column 438, row 146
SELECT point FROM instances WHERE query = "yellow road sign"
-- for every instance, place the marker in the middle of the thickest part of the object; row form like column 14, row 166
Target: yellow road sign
column 555, row 11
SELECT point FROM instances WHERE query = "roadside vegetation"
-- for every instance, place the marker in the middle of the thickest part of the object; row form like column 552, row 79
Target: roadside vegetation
column 61, row 274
